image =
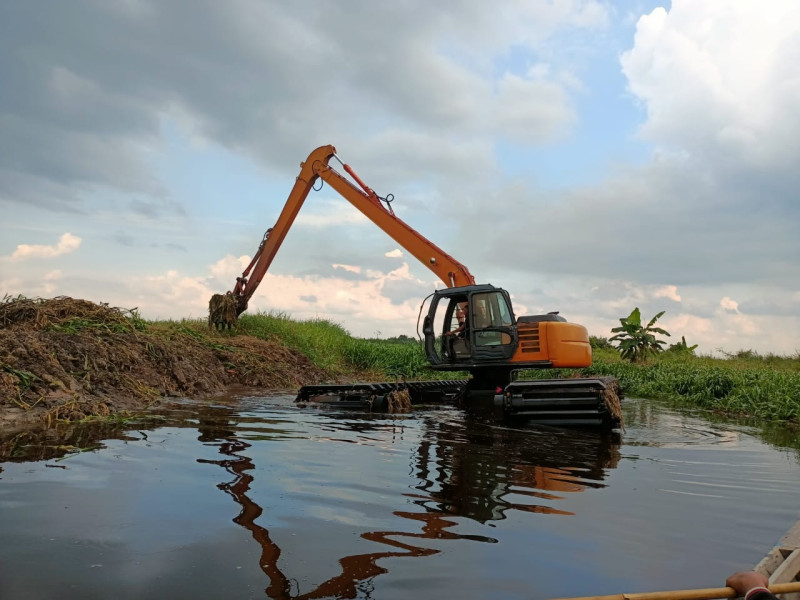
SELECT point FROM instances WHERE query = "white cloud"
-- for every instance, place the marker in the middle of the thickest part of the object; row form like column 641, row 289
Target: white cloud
column 719, row 330
column 348, row 268
column 329, row 213
column 729, row 305
column 228, row 268
column 619, row 296
column 531, row 108
column 78, row 123
column 396, row 253
column 667, row 291
column 362, row 306
column 705, row 209
column 695, row 329
column 719, row 79
column 174, row 289
column 66, row 244
column 51, row 282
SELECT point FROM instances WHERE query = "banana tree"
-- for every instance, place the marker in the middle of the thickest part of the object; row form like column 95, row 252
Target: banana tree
column 634, row 341
column 682, row 347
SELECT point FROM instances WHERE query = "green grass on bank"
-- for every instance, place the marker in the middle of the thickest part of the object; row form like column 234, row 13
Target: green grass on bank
column 729, row 385
column 744, row 383
column 326, row 344
column 331, row 348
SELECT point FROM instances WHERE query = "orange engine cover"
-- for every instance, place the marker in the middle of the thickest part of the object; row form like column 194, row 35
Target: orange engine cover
column 566, row 345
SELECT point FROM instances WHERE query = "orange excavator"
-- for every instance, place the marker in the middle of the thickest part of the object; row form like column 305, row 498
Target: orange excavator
column 468, row 327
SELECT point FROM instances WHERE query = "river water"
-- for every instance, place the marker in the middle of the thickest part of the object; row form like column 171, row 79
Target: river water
column 255, row 497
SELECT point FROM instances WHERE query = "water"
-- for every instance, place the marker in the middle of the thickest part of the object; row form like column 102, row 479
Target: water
column 258, row 498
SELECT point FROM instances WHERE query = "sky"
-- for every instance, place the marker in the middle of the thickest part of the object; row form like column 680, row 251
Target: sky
column 590, row 157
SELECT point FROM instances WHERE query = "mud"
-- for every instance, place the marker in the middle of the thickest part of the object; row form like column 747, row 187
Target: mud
column 64, row 359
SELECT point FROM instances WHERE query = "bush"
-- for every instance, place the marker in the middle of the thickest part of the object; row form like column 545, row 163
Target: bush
column 682, row 348
column 599, row 343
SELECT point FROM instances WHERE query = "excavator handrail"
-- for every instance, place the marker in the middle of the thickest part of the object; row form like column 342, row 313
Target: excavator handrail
column 316, row 166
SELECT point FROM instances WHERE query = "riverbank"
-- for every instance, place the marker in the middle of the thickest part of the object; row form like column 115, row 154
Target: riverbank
column 63, row 359
column 66, row 359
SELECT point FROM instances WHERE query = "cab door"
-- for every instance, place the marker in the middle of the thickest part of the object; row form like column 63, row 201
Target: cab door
column 493, row 332
column 446, row 329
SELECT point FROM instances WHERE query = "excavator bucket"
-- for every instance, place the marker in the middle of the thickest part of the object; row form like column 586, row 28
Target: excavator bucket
column 222, row 311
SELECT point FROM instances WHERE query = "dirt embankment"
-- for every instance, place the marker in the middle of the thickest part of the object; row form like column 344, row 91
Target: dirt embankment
column 65, row 359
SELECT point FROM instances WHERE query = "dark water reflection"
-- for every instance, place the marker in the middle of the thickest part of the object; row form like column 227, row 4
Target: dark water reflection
column 257, row 498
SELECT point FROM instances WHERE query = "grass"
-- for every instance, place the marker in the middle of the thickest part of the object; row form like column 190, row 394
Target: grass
column 333, row 349
column 321, row 341
column 397, row 360
column 129, row 321
column 25, row 378
column 766, row 387
column 328, row 345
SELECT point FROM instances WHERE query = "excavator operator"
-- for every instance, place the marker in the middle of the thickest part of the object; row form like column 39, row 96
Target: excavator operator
column 461, row 316
column 458, row 338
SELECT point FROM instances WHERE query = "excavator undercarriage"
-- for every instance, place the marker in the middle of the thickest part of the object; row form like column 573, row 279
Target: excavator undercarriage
column 580, row 402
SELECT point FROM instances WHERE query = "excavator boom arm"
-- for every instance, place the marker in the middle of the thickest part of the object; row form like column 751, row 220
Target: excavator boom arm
column 448, row 269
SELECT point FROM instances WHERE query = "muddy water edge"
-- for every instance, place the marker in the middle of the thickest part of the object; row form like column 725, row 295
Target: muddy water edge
column 253, row 497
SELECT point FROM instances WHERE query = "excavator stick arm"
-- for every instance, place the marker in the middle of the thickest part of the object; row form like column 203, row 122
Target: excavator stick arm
column 316, row 166
column 247, row 284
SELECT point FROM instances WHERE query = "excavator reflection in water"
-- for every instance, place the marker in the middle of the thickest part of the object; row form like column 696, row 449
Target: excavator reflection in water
column 465, row 469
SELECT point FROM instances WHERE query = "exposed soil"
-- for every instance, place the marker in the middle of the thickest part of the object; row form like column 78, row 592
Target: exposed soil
column 66, row 359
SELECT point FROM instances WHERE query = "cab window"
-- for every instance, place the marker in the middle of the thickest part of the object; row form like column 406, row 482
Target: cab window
column 490, row 315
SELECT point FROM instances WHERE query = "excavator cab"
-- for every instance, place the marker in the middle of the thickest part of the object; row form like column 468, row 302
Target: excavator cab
column 470, row 326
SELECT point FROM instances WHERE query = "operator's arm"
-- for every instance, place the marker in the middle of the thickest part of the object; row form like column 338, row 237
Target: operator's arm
column 750, row 585
column 461, row 315
column 458, row 329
